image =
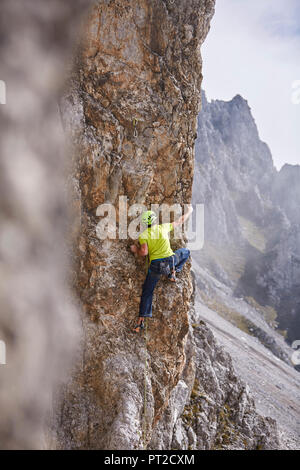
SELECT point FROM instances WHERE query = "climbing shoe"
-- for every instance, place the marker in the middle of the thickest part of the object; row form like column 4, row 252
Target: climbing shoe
column 172, row 276
column 139, row 327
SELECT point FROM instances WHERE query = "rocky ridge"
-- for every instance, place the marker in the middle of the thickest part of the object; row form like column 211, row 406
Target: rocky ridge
column 251, row 217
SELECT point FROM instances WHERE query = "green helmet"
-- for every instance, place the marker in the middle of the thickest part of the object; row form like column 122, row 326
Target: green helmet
column 148, row 217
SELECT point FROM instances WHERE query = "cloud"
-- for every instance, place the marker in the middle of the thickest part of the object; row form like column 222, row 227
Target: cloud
column 253, row 50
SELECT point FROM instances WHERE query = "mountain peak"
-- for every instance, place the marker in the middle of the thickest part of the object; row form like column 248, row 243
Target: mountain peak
column 239, row 101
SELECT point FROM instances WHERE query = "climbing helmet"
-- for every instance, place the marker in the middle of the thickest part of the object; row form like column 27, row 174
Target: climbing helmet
column 148, row 217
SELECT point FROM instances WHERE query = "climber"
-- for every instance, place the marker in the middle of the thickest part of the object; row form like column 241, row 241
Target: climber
column 154, row 241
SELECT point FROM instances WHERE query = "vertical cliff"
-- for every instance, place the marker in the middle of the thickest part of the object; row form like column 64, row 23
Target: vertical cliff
column 251, row 216
column 139, row 63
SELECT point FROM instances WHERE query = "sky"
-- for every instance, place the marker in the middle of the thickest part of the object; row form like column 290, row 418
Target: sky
column 253, row 49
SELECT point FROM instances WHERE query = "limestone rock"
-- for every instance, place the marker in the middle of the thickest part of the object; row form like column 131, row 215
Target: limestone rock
column 130, row 108
column 220, row 412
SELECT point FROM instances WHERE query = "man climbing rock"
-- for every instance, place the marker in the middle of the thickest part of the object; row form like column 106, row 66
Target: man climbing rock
column 154, row 241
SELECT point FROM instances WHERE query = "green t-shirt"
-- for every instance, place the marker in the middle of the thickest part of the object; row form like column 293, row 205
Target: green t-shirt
column 157, row 239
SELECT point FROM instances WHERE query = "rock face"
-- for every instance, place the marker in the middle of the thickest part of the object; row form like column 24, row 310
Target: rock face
column 131, row 108
column 251, row 216
column 231, row 163
column 286, row 191
column 38, row 322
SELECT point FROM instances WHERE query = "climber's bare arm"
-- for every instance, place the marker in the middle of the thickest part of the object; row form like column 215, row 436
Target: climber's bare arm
column 141, row 250
column 183, row 218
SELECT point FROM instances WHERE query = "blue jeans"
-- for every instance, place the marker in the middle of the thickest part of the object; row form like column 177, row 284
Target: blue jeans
column 180, row 257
